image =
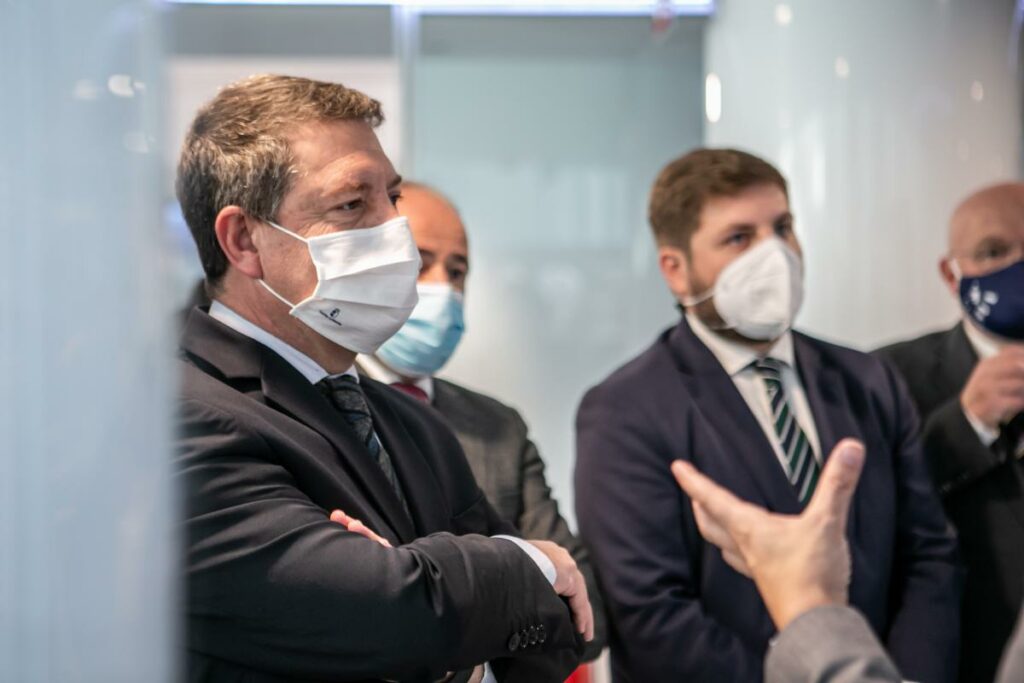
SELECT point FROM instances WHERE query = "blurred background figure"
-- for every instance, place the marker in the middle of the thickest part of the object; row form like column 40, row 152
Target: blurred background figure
column 968, row 384
column 504, row 460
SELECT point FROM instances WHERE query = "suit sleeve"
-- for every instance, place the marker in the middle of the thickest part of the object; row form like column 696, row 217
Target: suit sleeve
column 631, row 515
column 956, row 455
column 924, row 631
column 829, row 645
column 540, row 519
column 273, row 585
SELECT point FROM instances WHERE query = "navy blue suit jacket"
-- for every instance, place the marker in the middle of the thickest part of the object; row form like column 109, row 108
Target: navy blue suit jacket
column 678, row 612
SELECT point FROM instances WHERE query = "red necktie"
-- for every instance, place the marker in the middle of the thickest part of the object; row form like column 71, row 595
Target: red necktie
column 412, row 390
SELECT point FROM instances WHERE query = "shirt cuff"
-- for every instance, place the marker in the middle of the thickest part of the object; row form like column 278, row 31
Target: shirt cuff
column 488, row 674
column 542, row 561
column 986, row 435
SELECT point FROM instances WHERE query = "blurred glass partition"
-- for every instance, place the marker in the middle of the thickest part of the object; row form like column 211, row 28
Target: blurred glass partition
column 87, row 552
column 547, row 133
column 883, row 115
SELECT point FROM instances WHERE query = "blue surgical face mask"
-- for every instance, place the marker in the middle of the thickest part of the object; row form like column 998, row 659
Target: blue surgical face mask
column 995, row 301
column 427, row 340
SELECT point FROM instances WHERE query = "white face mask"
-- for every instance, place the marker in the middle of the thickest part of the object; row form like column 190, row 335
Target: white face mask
column 759, row 294
column 366, row 284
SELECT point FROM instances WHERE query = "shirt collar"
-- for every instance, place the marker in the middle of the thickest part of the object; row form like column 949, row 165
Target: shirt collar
column 375, row 369
column 985, row 345
column 735, row 357
column 308, row 367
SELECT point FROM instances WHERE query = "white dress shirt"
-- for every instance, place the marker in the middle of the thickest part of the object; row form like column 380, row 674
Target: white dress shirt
column 736, row 358
column 312, row 371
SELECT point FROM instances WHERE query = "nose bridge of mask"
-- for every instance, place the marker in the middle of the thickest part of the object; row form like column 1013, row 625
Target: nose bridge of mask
column 440, row 306
column 386, row 246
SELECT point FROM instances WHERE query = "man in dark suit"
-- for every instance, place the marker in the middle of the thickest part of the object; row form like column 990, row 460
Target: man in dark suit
column 968, row 384
column 493, row 436
column 758, row 408
column 291, row 202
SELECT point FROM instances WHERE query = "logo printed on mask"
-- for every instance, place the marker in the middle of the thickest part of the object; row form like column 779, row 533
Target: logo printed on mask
column 982, row 302
column 332, row 316
column 995, row 300
column 366, row 284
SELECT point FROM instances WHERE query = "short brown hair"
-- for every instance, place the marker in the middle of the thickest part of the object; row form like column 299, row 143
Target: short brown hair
column 686, row 184
column 236, row 151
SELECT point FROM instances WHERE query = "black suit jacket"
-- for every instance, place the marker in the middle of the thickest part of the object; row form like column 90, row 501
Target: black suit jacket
column 983, row 493
column 276, row 592
column 510, row 471
column 677, row 611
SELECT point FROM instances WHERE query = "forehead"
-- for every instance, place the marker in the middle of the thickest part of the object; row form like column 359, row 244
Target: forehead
column 432, row 219
column 974, row 223
column 752, row 205
column 338, row 155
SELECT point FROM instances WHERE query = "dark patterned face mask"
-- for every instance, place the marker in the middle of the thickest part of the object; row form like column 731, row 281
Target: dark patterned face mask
column 996, row 301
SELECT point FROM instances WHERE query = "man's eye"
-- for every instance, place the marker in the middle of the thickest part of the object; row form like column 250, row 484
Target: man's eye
column 991, row 252
column 350, row 206
column 783, row 229
column 738, row 238
column 395, row 198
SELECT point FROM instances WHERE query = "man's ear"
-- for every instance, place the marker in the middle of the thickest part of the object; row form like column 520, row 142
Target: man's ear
column 675, row 268
column 234, row 234
column 948, row 276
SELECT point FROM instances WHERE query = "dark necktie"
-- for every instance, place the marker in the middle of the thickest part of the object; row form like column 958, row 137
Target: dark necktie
column 411, row 390
column 345, row 394
column 802, row 467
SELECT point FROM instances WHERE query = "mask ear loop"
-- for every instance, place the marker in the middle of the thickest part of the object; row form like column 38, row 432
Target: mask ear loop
column 270, row 289
column 700, row 298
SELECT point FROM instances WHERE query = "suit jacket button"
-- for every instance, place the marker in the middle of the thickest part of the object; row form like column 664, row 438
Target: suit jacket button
column 534, row 636
column 513, row 642
column 542, row 634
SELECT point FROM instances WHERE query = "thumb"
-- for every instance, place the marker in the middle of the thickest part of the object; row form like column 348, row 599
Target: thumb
column 838, row 481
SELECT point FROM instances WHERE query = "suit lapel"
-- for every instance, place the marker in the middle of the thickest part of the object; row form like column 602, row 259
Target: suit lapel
column 243, row 361
column 722, row 407
column 420, row 485
column 955, row 361
column 826, row 396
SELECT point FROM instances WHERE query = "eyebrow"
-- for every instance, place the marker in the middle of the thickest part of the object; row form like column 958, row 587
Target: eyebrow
column 787, row 215
column 355, row 186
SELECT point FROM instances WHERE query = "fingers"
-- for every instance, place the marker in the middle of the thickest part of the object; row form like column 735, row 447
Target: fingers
column 838, row 481
column 720, row 507
column 579, row 604
column 712, row 531
column 340, row 518
column 582, row 612
column 736, row 561
column 357, row 527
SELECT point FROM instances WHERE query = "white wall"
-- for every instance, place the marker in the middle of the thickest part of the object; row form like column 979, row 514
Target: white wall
column 87, row 552
column 547, row 134
column 883, row 114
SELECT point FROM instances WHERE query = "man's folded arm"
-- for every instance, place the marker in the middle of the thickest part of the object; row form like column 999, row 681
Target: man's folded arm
column 274, row 585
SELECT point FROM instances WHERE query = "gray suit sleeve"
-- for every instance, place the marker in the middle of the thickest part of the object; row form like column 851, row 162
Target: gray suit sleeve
column 540, row 519
column 1012, row 667
column 829, row 645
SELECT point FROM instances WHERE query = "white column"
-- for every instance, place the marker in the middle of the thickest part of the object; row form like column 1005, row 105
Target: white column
column 883, row 114
column 87, row 553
